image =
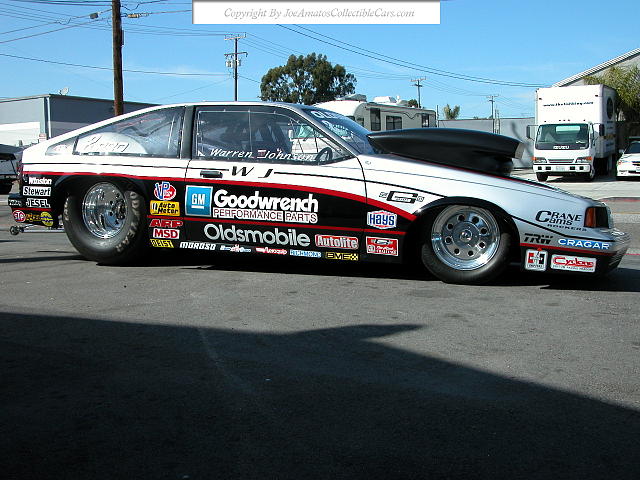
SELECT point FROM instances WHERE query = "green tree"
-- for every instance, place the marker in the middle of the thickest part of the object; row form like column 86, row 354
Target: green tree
column 308, row 80
column 413, row 103
column 451, row 113
column 626, row 81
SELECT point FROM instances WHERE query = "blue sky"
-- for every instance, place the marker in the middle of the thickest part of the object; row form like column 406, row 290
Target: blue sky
column 530, row 42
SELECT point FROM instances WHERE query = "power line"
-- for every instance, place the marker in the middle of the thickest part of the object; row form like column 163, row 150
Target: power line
column 402, row 63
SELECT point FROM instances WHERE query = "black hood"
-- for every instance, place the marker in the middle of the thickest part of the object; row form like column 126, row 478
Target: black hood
column 471, row 149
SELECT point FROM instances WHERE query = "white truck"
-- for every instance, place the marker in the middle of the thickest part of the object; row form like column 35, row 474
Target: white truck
column 384, row 113
column 576, row 131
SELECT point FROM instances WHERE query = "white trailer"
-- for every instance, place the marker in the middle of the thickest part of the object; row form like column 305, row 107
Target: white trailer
column 576, row 131
column 384, row 113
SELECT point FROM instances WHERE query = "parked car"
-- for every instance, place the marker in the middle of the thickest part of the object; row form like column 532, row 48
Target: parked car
column 300, row 181
column 9, row 158
column 628, row 165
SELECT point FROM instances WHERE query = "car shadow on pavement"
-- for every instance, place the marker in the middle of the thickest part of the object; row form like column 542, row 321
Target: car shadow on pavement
column 90, row 399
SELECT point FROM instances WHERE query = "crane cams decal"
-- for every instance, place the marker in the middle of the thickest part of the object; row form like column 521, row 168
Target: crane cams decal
column 569, row 221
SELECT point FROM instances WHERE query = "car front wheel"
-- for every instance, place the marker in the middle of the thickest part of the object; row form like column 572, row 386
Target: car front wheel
column 104, row 222
column 465, row 244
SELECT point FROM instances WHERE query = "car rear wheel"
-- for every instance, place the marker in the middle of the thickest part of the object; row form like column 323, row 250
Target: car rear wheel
column 104, row 222
column 465, row 244
column 542, row 177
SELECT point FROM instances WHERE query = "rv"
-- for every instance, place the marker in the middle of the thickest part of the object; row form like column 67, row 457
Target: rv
column 576, row 131
column 384, row 113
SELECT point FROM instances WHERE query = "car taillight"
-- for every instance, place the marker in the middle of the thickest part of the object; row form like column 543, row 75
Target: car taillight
column 19, row 172
column 596, row 217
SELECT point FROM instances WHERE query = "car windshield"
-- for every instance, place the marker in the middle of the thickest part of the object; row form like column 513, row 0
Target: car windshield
column 349, row 131
column 633, row 148
column 571, row 136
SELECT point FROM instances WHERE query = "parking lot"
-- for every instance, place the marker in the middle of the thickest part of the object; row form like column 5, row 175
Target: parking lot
column 204, row 366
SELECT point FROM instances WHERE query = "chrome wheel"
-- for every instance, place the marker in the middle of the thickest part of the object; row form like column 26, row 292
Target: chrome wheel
column 465, row 237
column 104, row 210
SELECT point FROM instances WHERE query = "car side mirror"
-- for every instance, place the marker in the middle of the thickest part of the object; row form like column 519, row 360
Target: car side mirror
column 621, row 151
column 601, row 130
column 529, row 134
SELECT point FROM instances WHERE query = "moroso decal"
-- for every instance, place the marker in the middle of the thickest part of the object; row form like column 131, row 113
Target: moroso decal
column 46, row 219
column 166, row 233
column 337, row 241
column 165, row 208
column 382, row 219
column 573, row 264
column 382, row 246
column 198, row 245
column 161, row 243
column 536, row 260
column 165, row 223
column 570, row 242
column 164, row 191
column 270, row 237
column 19, row 216
column 341, row 256
column 198, row 201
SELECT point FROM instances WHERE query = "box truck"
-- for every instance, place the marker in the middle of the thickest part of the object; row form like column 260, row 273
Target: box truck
column 384, row 113
column 575, row 131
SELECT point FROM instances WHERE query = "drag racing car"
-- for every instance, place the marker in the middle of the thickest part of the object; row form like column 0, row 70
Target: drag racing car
column 300, row 181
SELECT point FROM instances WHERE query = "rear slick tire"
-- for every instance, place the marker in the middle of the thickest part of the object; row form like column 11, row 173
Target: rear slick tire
column 465, row 244
column 104, row 222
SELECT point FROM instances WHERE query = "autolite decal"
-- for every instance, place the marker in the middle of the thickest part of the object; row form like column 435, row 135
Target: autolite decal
column 270, row 237
column 164, row 191
column 382, row 246
column 165, row 223
column 570, row 242
column 36, row 191
column 573, row 264
column 382, row 219
column 337, row 241
column 165, row 208
column 166, row 233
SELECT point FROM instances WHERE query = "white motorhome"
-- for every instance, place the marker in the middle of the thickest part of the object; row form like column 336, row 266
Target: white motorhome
column 576, row 131
column 384, row 113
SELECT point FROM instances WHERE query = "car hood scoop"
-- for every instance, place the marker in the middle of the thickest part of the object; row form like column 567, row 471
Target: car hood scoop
column 470, row 149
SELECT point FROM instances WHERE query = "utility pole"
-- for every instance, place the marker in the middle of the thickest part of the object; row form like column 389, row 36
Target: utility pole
column 235, row 61
column 116, row 22
column 417, row 84
column 492, row 99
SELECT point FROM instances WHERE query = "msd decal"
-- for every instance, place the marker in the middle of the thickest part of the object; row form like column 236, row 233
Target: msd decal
column 382, row 219
column 536, row 260
column 164, row 191
column 166, row 233
column 19, row 216
column 573, row 264
column 382, row 246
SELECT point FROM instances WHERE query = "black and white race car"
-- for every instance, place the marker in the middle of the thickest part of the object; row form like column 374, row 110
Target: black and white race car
column 292, row 180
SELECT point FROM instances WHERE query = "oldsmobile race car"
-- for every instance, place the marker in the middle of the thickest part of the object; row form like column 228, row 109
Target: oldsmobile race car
column 299, row 181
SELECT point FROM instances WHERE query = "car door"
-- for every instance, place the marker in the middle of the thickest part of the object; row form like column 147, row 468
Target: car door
column 263, row 179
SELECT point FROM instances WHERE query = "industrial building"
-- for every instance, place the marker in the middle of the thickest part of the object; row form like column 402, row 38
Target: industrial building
column 28, row 120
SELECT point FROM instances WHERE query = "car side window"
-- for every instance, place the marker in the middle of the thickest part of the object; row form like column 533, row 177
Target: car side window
column 151, row 134
column 266, row 137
